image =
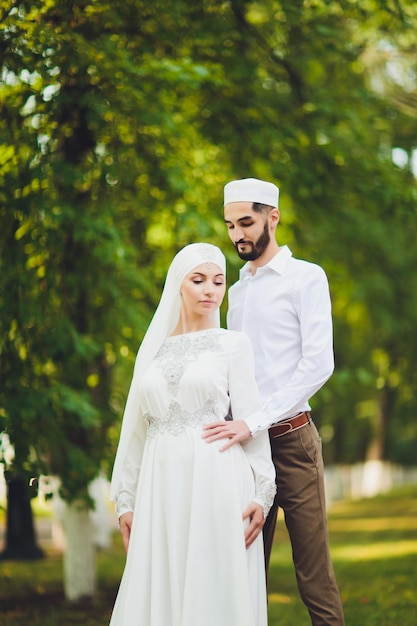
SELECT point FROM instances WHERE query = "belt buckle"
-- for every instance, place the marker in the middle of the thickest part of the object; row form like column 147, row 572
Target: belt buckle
column 288, row 429
column 289, row 426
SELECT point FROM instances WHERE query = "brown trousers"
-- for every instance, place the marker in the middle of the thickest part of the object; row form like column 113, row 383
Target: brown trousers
column 301, row 494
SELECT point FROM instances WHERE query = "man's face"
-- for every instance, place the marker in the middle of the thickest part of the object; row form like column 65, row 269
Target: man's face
column 248, row 230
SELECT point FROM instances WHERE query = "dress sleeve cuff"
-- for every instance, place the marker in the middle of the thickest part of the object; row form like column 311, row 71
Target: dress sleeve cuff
column 123, row 503
column 265, row 494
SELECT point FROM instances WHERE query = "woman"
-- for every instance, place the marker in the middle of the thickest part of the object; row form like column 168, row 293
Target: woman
column 191, row 515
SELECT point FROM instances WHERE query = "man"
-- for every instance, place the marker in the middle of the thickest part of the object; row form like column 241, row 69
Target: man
column 283, row 305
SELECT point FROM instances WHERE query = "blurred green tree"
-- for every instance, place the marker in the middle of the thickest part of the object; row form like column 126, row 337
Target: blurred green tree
column 120, row 124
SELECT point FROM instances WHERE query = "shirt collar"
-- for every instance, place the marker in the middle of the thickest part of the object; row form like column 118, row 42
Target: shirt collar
column 277, row 264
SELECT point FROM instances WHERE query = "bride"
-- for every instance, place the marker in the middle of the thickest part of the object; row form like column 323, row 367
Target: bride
column 191, row 515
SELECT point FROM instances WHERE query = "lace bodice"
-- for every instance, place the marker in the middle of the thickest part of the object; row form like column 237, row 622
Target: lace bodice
column 181, row 351
column 195, row 379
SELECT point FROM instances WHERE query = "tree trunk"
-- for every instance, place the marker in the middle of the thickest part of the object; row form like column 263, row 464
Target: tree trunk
column 20, row 532
column 79, row 555
column 375, row 478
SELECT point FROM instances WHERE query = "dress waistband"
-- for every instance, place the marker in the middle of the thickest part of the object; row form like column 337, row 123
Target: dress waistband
column 177, row 419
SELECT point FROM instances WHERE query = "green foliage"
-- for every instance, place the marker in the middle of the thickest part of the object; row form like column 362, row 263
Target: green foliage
column 120, row 124
column 94, row 191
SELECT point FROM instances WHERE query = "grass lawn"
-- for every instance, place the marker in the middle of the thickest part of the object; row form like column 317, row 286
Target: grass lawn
column 374, row 548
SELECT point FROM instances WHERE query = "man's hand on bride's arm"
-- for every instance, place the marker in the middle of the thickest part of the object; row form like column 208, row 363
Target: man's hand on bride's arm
column 125, row 525
column 235, row 431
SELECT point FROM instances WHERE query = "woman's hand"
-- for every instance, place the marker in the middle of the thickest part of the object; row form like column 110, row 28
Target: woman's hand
column 125, row 525
column 255, row 514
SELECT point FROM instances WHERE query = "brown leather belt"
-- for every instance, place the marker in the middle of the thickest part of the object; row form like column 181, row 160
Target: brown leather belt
column 293, row 423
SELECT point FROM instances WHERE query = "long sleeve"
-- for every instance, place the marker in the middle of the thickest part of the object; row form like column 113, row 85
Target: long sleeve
column 245, row 401
column 285, row 310
column 126, row 490
column 316, row 362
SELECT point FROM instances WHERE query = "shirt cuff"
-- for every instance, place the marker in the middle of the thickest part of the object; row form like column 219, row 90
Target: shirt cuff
column 257, row 422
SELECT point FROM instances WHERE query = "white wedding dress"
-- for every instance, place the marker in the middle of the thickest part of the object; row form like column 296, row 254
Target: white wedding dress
column 187, row 564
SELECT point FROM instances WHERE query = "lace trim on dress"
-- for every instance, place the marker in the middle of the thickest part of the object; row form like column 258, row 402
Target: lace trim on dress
column 265, row 493
column 178, row 419
column 122, row 503
column 174, row 357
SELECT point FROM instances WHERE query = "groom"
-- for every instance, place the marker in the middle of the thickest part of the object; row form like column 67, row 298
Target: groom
column 283, row 305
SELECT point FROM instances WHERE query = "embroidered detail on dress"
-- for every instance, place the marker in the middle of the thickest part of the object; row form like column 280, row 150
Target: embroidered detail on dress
column 265, row 492
column 178, row 419
column 174, row 357
column 123, row 503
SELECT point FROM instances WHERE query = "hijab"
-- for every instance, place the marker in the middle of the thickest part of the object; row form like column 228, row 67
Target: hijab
column 162, row 325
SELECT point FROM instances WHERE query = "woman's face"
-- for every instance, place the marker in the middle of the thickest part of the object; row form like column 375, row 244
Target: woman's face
column 203, row 289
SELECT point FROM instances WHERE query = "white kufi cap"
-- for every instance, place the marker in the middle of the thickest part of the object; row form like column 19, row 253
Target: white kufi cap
column 251, row 190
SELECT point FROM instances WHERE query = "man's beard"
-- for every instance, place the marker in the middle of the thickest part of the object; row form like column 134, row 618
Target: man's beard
column 257, row 248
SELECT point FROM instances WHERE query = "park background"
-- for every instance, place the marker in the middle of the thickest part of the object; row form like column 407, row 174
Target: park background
column 120, row 123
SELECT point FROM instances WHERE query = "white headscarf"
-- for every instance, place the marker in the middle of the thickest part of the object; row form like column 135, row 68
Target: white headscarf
column 162, row 325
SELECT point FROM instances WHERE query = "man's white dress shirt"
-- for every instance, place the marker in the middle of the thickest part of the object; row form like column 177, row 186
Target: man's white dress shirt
column 285, row 310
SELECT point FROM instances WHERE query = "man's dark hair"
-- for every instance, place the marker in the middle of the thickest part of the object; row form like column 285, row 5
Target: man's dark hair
column 261, row 208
